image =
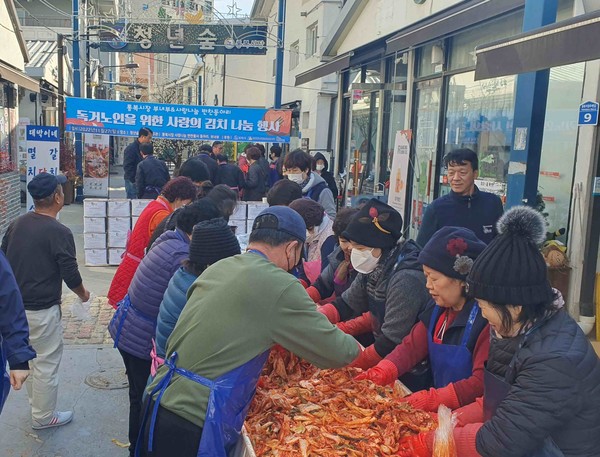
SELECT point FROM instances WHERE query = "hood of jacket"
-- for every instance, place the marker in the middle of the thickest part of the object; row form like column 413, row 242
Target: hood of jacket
column 319, row 156
column 313, row 180
column 409, row 251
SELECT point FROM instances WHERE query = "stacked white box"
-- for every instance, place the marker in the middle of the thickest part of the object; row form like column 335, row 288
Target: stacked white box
column 137, row 206
column 94, row 207
column 134, row 219
column 117, row 239
column 94, row 240
column 119, row 224
column 241, row 212
column 95, row 257
column 94, row 225
column 115, row 255
column 119, row 208
column 240, row 225
column 249, row 223
column 255, row 208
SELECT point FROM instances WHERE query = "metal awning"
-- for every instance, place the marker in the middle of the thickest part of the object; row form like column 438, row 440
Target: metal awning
column 337, row 64
column 565, row 42
column 448, row 21
column 18, row 78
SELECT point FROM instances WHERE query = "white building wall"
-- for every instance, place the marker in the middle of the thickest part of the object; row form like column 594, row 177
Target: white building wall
column 11, row 52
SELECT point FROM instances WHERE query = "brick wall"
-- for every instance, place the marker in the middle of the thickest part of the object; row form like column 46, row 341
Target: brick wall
column 10, row 199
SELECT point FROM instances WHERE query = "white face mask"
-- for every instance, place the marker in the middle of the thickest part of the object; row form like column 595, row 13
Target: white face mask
column 320, row 167
column 298, row 178
column 363, row 261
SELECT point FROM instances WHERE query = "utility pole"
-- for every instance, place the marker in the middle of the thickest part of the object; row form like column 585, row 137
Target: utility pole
column 279, row 56
column 61, row 85
column 77, row 92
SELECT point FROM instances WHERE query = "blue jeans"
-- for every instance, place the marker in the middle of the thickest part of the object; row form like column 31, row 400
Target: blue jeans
column 130, row 189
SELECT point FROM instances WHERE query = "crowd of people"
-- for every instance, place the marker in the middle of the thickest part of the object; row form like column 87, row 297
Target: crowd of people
column 464, row 315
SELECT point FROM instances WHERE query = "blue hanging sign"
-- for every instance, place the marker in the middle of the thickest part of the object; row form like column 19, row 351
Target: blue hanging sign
column 179, row 122
column 588, row 113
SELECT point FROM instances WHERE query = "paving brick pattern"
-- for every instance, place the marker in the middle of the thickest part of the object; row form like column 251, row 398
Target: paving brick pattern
column 93, row 331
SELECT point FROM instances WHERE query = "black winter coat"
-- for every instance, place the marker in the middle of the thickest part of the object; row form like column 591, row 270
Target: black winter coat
column 255, row 188
column 210, row 163
column 131, row 158
column 555, row 392
column 152, row 174
column 230, row 175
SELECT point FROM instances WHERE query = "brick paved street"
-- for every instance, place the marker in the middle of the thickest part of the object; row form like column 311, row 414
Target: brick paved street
column 95, row 330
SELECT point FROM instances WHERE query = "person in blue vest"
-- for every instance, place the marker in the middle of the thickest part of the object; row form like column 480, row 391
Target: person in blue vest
column 452, row 333
column 542, row 377
column 14, row 333
column 297, row 167
column 465, row 205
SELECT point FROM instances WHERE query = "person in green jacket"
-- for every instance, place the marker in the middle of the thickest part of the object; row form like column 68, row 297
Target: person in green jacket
column 237, row 310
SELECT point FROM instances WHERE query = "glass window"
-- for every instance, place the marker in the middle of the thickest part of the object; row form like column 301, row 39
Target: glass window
column 294, row 54
column 311, row 40
column 479, row 116
column 462, row 52
column 427, row 103
column 560, row 143
column 431, row 59
column 8, row 159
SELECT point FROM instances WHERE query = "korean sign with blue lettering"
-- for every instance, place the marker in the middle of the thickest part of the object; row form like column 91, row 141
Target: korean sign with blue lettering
column 43, row 145
column 178, row 122
column 588, row 113
column 184, row 38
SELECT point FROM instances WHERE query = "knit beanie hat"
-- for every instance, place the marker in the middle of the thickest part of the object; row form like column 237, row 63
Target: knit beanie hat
column 511, row 270
column 451, row 251
column 311, row 211
column 376, row 225
column 212, row 241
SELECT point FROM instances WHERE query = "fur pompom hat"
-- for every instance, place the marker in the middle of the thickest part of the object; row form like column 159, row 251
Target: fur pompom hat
column 512, row 270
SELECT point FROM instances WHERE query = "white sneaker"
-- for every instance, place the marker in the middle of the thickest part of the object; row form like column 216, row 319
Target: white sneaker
column 58, row 418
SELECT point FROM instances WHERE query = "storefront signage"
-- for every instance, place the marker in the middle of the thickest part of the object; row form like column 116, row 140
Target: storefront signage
column 95, row 172
column 588, row 113
column 184, row 38
column 399, row 171
column 494, row 187
column 178, row 122
column 42, row 153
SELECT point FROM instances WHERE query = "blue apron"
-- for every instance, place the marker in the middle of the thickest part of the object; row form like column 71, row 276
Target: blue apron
column 5, row 381
column 450, row 362
column 228, row 403
column 495, row 390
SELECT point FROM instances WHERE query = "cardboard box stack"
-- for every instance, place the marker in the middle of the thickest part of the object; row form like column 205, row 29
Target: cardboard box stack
column 106, row 225
column 94, row 231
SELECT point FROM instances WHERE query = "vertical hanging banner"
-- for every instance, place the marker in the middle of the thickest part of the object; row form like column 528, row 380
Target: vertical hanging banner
column 95, row 172
column 399, row 171
column 42, row 153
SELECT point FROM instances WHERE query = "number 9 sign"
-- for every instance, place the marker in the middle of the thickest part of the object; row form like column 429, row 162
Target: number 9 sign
column 588, row 113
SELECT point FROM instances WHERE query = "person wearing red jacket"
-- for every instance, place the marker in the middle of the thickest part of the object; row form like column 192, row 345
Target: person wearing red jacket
column 542, row 377
column 451, row 334
column 177, row 192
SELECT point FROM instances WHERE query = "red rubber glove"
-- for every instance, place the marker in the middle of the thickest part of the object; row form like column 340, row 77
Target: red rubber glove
column 314, row 294
column 430, row 400
column 330, row 312
column 304, row 283
column 415, row 446
column 358, row 325
column 367, row 358
column 382, row 374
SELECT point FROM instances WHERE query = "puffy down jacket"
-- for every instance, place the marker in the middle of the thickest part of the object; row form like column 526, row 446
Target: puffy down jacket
column 133, row 326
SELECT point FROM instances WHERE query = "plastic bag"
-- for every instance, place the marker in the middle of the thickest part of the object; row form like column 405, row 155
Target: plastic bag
column 443, row 442
column 81, row 310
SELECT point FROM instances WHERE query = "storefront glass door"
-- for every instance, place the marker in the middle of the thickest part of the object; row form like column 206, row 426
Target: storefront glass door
column 427, row 109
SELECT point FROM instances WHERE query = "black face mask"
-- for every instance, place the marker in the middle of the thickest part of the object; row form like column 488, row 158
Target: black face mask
column 294, row 262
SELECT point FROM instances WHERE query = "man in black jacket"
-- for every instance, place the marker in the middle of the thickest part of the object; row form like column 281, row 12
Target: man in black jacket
column 131, row 159
column 41, row 252
column 205, row 156
column 229, row 174
column 152, row 174
column 465, row 205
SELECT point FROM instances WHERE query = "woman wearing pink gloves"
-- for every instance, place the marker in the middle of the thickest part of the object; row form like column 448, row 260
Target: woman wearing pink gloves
column 542, row 377
column 451, row 334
